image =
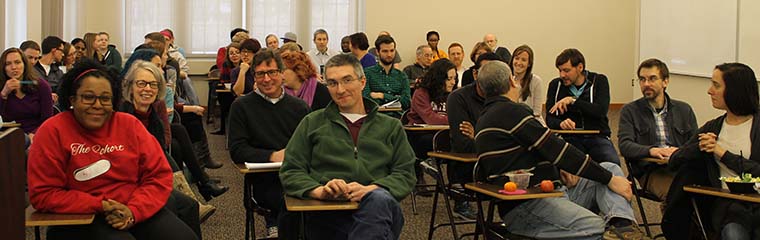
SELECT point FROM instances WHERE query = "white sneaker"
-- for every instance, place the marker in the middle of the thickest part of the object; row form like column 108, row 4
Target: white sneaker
column 272, row 232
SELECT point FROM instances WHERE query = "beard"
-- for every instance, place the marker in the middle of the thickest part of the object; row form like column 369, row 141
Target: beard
column 386, row 63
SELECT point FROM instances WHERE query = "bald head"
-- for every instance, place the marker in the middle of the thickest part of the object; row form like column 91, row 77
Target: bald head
column 384, row 33
column 490, row 40
column 494, row 78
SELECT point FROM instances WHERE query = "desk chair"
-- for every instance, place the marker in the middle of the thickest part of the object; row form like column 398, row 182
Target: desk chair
column 37, row 219
column 716, row 192
column 639, row 192
column 249, row 202
column 310, row 205
column 213, row 73
column 405, row 121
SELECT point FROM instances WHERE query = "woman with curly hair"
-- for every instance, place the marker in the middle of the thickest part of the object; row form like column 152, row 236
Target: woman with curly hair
column 300, row 79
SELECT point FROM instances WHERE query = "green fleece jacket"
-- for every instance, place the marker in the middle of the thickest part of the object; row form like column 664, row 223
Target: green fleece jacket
column 321, row 149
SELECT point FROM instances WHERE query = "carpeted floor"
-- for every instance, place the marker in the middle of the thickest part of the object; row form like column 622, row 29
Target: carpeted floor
column 228, row 221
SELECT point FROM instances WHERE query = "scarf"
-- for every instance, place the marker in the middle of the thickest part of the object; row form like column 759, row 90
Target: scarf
column 306, row 93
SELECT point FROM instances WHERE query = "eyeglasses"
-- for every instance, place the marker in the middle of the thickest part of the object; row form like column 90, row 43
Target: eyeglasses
column 246, row 52
column 143, row 83
column 271, row 73
column 89, row 99
column 650, row 80
column 331, row 83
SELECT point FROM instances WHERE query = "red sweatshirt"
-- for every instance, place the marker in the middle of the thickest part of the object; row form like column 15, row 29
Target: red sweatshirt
column 68, row 167
column 425, row 111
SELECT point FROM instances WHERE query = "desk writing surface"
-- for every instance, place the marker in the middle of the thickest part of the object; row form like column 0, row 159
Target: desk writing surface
column 724, row 193
column 305, row 205
column 34, row 218
column 493, row 191
column 384, row 109
column 574, row 131
column 10, row 124
column 461, row 157
column 425, row 127
column 242, row 169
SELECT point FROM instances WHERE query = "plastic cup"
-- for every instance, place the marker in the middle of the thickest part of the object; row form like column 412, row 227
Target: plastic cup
column 521, row 179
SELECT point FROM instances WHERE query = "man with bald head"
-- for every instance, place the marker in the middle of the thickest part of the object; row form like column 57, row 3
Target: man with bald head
column 492, row 42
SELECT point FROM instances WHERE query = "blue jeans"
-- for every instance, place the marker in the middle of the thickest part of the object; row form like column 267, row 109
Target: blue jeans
column 734, row 231
column 379, row 217
column 598, row 147
column 571, row 216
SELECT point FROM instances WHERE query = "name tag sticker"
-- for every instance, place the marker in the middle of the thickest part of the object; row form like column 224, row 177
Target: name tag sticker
column 93, row 170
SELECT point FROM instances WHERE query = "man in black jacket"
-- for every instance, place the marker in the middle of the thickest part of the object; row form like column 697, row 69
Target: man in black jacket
column 579, row 99
column 654, row 126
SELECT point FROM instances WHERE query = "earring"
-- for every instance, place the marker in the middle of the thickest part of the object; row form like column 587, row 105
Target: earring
column 71, row 107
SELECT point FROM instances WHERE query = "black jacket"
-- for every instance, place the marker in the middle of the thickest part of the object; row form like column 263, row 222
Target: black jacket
column 637, row 131
column 53, row 77
column 589, row 111
column 464, row 104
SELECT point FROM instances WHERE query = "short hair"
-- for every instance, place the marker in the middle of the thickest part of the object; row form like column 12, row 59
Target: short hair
column 146, row 54
column 265, row 56
column 29, row 72
column 654, row 62
column 104, row 33
column 299, row 63
column 383, row 39
column 741, row 94
column 478, row 46
column 573, row 55
column 290, row 46
column 251, row 45
column 235, row 31
column 50, row 43
column 320, row 31
column 129, row 80
column 493, row 78
column 240, row 37
column 455, row 44
column 346, row 60
column 77, row 40
column 155, row 36
column 421, row 48
column 490, row 56
column 86, row 67
column 359, row 40
column 431, row 33
column 29, row 44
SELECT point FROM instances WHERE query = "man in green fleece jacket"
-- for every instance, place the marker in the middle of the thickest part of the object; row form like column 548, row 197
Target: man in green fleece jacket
column 349, row 152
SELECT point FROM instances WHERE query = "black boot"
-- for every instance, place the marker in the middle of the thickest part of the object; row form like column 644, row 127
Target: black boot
column 204, row 155
column 211, row 190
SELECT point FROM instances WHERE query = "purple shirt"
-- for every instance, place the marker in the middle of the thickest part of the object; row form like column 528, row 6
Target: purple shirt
column 30, row 111
column 368, row 60
column 248, row 79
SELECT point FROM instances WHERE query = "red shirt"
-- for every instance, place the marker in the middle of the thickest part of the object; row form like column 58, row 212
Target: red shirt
column 63, row 155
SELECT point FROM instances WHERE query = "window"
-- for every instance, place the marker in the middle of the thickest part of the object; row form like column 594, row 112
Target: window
column 15, row 23
column 271, row 16
column 337, row 17
column 211, row 21
column 143, row 17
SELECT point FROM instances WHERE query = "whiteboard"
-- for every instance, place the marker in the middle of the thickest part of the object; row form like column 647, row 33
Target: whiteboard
column 749, row 34
column 690, row 36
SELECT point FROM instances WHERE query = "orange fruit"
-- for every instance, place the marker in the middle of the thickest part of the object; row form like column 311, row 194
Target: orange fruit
column 510, row 187
column 547, row 186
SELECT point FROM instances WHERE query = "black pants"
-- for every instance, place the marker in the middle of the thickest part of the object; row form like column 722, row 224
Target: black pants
column 225, row 102
column 163, row 225
column 194, row 125
column 422, row 143
column 182, row 152
column 267, row 191
column 186, row 209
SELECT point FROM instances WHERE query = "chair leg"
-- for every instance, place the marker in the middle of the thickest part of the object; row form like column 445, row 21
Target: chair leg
column 414, row 200
column 37, row 235
column 699, row 218
column 447, row 203
column 481, row 222
column 432, row 215
column 643, row 213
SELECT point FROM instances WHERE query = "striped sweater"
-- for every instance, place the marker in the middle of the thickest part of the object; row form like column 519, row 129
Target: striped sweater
column 509, row 138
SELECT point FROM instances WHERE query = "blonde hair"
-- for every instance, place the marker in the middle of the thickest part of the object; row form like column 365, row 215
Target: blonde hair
column 129, row 80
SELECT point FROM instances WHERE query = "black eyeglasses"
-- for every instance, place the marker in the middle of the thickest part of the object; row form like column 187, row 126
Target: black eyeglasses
column 331, row 83
column 143, row 83
column 89, row 99
column 271, row 73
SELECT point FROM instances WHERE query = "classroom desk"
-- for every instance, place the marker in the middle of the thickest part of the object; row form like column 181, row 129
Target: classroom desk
column 248, row 202
column 38, row 219
column 461, row 157
column 656, row 160
column 382, row 109
column 575, row 132
column 10, row 125
column 307, row 205
column 492, row 191
column 425, row 127
column 717, row 192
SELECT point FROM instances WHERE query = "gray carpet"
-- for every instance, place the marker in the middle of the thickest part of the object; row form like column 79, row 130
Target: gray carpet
column 228, row 222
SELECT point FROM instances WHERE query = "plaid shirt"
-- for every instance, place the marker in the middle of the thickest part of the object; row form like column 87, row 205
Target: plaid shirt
column 394, row 85
column 661, row 124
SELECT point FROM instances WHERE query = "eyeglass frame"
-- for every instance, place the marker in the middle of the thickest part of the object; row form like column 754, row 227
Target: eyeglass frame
column 271, row 73
column 331, row 83
column 104, row 100
column 146, row 83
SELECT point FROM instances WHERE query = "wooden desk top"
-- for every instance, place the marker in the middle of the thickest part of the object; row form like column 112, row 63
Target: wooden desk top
column 34, row 218
column 305, row 205
column 244, row 170
column 223, row 90
column 724, row 193
column 212, row 79
column 493, row 191
column 579, row 132
column 389, row 109
column 10, row 125
column 655, row 160
column 461, row 157
column 425, row 127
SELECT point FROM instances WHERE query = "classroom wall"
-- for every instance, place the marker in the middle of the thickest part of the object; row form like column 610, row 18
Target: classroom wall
column 603, row 30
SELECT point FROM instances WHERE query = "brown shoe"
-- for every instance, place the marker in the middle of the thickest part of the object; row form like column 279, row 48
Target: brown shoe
column 205, row 211
column 632, row 232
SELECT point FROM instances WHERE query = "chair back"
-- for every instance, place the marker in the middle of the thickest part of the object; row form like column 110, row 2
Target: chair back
column 12, row 182
column 442, row 141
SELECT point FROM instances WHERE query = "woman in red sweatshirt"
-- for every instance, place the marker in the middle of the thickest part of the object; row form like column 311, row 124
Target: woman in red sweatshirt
column 90, row 159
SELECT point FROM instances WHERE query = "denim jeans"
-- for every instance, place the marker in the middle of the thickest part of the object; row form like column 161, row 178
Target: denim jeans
column 571, row 216
column 379, row 217
column 734, row 231
column 598, row 147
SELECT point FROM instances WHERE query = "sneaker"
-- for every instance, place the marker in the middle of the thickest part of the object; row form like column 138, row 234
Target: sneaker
column 463, row 211
column 272, row 232
column 632, row 232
